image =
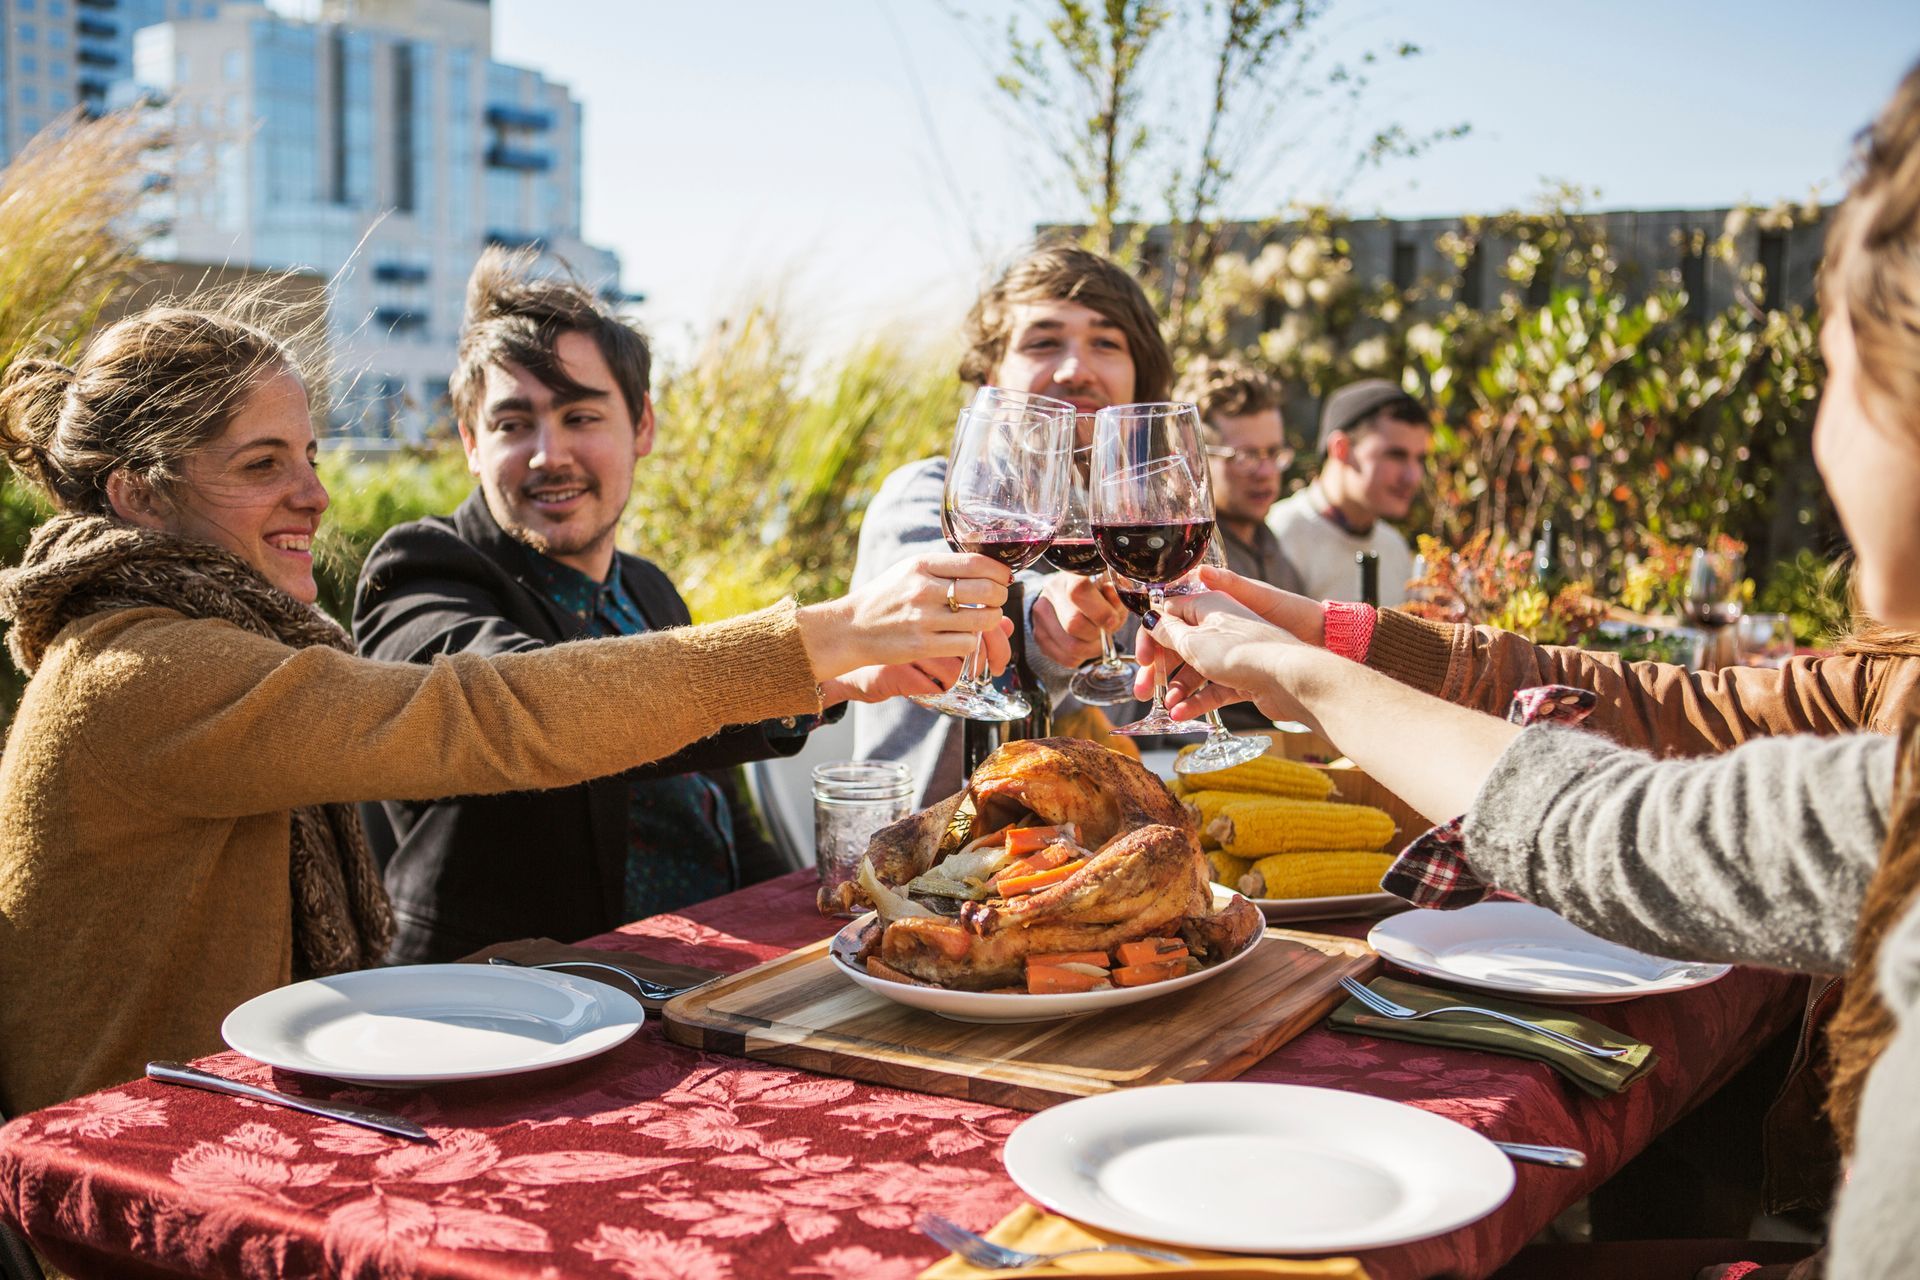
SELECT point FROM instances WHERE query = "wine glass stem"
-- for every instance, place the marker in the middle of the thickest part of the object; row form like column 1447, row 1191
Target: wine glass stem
column 1156, row 601
column 971, row 669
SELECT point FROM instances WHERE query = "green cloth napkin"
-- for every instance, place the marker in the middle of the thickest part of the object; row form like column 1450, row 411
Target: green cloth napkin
column 1598, row 1076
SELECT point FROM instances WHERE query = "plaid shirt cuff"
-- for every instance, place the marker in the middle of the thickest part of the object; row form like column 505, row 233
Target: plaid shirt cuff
column 1433, row 871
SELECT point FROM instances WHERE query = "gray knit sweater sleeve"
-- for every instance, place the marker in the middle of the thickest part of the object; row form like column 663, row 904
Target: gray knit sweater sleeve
column 1760, row 855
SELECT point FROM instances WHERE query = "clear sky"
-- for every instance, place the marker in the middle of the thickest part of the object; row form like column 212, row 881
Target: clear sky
column 855, row 158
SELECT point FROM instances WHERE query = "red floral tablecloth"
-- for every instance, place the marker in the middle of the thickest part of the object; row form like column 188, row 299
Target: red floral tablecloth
column 654, row 1161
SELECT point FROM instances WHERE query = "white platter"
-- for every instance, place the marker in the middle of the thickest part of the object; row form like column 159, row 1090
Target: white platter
column 1516, row 948
column 1261, row 1168
column 429, row 1023
column 995, row 1006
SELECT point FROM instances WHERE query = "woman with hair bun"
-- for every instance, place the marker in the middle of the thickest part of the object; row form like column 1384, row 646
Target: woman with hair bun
column 177, row 830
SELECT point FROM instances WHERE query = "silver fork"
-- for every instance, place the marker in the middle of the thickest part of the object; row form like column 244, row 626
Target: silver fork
column 647, row 988
column 982, row 1252
column 1394, row 1009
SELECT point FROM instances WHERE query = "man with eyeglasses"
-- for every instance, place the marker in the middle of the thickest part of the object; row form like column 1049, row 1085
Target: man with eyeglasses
column 1247, row 455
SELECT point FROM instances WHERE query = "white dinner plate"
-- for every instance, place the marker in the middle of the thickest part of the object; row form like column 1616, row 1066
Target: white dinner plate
column 1257, row 1168
column 1339, row 907
column 1012, row 1006
column 428, row 1023
column 1518, row 949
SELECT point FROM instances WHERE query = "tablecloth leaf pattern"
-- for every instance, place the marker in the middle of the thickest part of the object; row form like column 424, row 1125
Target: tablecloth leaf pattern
column 655, row 1162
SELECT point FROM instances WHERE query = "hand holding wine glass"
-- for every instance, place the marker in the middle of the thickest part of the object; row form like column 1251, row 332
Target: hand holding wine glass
column 1152, row 512
column 1006, row 494
column 1223, row 748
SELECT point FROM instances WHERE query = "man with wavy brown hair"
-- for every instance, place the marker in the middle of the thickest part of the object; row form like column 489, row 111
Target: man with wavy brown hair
column 1060, row 321
column 554, row 410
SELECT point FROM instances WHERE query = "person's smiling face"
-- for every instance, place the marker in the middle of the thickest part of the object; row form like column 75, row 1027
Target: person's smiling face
column 557, row 470
column 253, row 490
column 1068, row 351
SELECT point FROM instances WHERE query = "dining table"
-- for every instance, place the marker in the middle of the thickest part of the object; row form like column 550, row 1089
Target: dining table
column 657, row 1160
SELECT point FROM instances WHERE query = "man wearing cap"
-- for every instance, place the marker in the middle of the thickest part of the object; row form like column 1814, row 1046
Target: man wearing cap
column 1374, row 440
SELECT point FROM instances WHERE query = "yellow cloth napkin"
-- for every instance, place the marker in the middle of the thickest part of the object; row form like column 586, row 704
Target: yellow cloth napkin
column 1038, row 1231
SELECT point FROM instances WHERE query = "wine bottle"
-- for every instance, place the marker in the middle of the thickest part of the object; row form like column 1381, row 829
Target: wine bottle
column 1369, row 562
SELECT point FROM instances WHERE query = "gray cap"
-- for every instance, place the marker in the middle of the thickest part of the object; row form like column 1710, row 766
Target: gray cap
column 1358, row 401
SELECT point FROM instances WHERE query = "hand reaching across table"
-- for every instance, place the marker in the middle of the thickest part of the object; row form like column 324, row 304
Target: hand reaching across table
column 907, row 630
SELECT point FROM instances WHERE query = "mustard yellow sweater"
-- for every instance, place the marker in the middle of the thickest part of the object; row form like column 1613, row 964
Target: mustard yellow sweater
column 148, row 777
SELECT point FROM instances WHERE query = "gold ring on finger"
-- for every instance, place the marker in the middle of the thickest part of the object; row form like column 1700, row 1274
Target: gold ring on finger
column 955, row 606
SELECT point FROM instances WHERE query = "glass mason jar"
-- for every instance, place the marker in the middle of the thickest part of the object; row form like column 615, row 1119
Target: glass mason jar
column 851, row 801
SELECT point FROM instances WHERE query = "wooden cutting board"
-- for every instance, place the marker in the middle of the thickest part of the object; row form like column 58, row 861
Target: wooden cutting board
column 801, row 1012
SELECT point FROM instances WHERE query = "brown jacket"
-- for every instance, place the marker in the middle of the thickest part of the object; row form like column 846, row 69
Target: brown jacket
column 1651, row 705
column 147, row 782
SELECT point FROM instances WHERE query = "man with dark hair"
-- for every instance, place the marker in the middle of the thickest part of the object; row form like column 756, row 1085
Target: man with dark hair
column 1247, row 455
column 1374, row 440
column 553, row 405
column 1060, row 322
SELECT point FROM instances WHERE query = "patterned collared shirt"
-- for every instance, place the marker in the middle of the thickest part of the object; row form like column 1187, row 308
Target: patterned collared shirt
column 680, row 843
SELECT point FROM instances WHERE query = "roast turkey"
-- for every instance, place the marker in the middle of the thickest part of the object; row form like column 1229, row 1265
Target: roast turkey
column 1143, row 874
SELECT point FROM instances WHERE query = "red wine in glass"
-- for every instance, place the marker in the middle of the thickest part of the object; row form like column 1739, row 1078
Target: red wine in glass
column 1136, row 601
column 1076, row 555
column 946, row 528
column 1013, row 548
column 1161, row 553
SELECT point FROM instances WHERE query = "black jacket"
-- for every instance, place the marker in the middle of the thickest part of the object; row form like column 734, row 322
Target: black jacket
column 474, row 870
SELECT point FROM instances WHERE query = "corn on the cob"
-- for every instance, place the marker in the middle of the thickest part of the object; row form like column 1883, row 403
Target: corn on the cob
column 1254, row 826
column 1204, row 806
column 1315, row 875
column 1268, row 775
column 1228, row 869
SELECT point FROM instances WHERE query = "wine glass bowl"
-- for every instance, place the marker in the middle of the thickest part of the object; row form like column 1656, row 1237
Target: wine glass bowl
column 1109, row 681
column 1715, row 590
column 1152, row 513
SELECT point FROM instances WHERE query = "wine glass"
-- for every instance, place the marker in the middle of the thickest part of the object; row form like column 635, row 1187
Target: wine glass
column 1110, row 680
column 1005, row 497
column 1715, row 589
column 1152, row 513
column 1223, row 748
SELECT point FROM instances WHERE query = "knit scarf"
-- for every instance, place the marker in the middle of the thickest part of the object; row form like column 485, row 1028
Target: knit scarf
column 78, row 565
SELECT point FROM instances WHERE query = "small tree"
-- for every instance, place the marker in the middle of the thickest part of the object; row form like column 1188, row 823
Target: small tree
column 1103, row 88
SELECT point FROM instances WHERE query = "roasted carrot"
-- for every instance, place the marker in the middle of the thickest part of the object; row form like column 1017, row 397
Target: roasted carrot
column 1149, row 951
column 1024, row 840
column 1046, row 859
column 1139, row 975
column 1018, row 885
column 1047, row 980
column 1098, row 959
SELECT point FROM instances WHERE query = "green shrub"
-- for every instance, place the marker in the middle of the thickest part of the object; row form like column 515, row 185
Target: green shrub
column 370, row 495
column 1814, row 594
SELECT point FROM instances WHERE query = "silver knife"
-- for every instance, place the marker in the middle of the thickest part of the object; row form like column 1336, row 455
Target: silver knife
column 1558, row 1157
column 181, row 1073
